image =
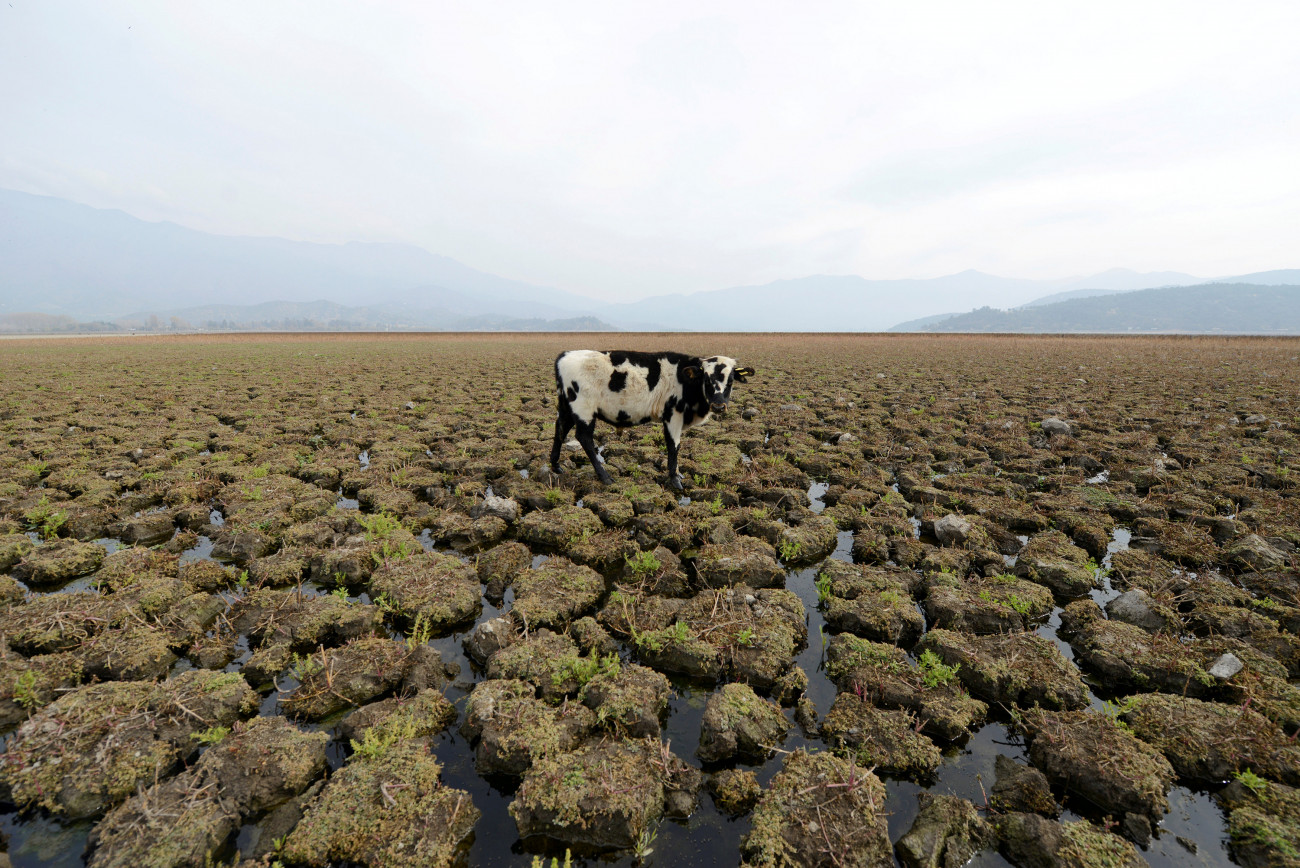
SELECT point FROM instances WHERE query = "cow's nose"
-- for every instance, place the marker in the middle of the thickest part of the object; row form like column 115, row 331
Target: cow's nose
column 719, row 406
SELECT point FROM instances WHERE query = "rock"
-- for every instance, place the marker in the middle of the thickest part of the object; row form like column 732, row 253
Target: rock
column 749, row 413
column 737, row 723
column 506, row 508
column 1225, row 667
column 952, row 530
column 817, row 806
column 791, row 407
column 489, row 637
column 948, row 831
column 1255, row 419
column 1021, row 788
column 390, row 810
column 1137, row 608
column 1054, row 427
column 846, row 437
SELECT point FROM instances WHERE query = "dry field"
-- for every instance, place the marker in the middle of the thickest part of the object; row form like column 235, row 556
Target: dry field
column 318, row 600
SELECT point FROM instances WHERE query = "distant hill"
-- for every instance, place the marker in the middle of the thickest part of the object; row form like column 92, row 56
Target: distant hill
column 62, row 259
column 1216, row 308
column 59, row 257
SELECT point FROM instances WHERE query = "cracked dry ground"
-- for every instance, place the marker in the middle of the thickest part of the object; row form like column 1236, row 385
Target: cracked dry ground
column 317, row 600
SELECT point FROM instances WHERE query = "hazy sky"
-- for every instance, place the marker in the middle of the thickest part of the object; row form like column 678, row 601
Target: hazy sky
column 621, row 150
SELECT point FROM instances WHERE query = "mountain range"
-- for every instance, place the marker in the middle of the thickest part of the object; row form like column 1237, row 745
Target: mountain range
column 64, row 259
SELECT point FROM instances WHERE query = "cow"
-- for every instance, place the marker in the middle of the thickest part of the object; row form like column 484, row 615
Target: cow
column 631, row 388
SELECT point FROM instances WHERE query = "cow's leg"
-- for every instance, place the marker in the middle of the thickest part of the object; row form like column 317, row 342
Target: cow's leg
column 586, row 436
column 671, row 439
column 563, row 424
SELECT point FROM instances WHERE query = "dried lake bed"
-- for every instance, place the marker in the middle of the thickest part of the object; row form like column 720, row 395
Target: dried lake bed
column 318, row 600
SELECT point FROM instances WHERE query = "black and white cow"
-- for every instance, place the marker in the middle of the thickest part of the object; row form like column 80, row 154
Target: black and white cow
column 631, row 388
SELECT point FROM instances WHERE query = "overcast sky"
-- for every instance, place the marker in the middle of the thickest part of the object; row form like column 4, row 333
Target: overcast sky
column 622, row 150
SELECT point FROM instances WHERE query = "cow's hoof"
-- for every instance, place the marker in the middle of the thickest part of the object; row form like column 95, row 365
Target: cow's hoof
column 675, row 482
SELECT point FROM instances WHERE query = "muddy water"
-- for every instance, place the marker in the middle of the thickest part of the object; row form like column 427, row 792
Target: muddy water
column 1192, row 833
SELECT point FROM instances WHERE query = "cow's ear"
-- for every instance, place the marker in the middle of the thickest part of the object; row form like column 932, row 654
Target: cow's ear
column 743, row 373
column 690, row 372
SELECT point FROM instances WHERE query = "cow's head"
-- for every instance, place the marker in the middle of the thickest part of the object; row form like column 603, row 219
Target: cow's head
column 717, row 374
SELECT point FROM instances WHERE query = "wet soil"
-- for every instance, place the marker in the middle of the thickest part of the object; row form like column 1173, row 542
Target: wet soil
column 346, row 564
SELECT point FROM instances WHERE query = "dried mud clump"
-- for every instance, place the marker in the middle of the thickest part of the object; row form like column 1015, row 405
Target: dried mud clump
column 880, row 739
column 739, row 724
column 555, row 593
column 389, row 810
column 89, row 749
column 979, row 604
column 354, row 674
column 820, row 810
column 1020, row 668
column 187, row 819
column 750, row 634
column 628, row 700
column 871, row 602
column 1093, row 755
column 513, row 729
column 608, row 795
column 883, row 675
column 1209, row 742
column 947, row 831
column 438, row 590
column 743, row 561
column 1051, row 559
column 1263, row 822
column 1028, row 839
column 58, row 562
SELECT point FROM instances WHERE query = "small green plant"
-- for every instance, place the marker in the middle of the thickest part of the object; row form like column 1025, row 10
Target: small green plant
column 211, row 735
column 643, row 564
column 553, row 496
column 379, row 526
column 790, row 550
column 24, row 690
column 678, row 631
column 340, row 593
column 421, row 632
column 583, row 669
column 45, row 519
column 823, row 585
column 304, row 667
column 1114, row 710
column 1252, row 782
column 715, row 505
column 390, row 551
column 745, row 637
column 378, row 739
column 241, row 584
column 540, row 862
column 260, row 472
column 934, row 671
